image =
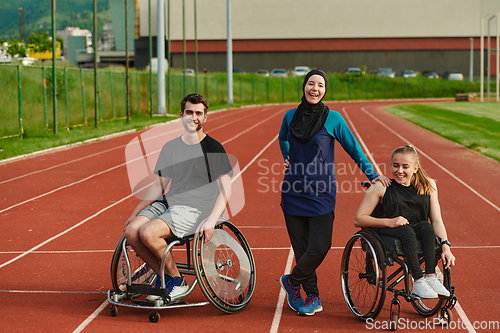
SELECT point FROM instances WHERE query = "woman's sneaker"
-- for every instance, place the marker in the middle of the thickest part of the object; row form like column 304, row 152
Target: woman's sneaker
column 422, row 289
column 311, row 306
column 437, row 286
column 294, row 298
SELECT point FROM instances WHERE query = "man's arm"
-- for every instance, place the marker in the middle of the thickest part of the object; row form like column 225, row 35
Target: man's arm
column 154, row 192
column 224, row 183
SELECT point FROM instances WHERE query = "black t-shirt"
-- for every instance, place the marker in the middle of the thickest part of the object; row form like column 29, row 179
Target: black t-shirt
column 193, row 170
column 400, row 200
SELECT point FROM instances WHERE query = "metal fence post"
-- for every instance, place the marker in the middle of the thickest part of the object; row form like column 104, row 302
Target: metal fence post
column 45, row 118
column 83, row 97
column 112, row 94
column 66, row 95
column 20, row 102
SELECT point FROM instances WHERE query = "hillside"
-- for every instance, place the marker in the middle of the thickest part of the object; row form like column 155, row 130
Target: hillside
column 77, row 13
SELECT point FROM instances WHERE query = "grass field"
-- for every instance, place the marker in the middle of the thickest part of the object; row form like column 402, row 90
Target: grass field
column 472, row 125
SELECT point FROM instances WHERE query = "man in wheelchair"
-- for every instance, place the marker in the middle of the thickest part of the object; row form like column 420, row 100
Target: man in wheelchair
column 198, row 172
column 403, row 211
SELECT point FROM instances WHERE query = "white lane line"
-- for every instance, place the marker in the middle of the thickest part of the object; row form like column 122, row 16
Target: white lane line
column 89, row 319
column 460, row 313
column 455, row 247
column 365, row 148
column 433, row 161
column 64, row 232
column 281, row 297
column 51, row 292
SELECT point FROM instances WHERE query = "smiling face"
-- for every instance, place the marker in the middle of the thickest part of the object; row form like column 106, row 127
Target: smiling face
column 403, row 167
column 194, row 117
column 314, row 89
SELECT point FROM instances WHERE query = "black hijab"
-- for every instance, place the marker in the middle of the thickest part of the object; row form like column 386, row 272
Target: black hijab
column 309, row 118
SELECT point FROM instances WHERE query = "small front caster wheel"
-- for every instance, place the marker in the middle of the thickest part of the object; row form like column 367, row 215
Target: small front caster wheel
column 113, row 310
column 154, row 316
column 445, row 316
column 394, row 321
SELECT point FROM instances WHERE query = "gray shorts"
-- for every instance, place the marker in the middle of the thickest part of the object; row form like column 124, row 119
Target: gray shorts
column 182, row 220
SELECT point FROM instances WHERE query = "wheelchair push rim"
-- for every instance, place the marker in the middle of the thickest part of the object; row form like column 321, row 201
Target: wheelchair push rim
column 363, row 276
column 225, row 268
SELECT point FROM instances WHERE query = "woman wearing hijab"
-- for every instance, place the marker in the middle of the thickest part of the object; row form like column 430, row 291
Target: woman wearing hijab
column 307, row 141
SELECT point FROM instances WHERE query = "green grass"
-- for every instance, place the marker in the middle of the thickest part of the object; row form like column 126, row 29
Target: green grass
column 472, row 125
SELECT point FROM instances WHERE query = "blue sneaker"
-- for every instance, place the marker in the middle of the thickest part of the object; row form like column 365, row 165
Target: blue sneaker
column 294, row 298
column 311, row 306
column 168, row 285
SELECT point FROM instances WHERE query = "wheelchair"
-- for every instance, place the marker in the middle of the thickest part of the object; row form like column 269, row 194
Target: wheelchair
column 368, row 272
column 223, row 267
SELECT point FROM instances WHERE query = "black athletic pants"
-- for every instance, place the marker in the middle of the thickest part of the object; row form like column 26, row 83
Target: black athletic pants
column 408, row 235
column 311, row 238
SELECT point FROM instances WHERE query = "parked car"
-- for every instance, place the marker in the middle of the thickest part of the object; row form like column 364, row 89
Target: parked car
column 386, row 72
column 263, row 72
column 453, row 76
column 279, row 72
column 431, row 74
column 354, row 71
column 188, row 71
column 238, row 70
column 408, row 73
column 300, row 70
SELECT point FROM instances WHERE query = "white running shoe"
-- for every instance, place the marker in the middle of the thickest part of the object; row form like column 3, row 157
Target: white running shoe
column 437, row 286
column 422, row 289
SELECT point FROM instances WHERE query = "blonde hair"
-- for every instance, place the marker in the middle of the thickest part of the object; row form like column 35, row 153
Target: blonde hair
column 419, row 179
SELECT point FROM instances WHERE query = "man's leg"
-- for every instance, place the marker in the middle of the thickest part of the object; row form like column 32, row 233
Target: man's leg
column 152, row 236
column 132, row 233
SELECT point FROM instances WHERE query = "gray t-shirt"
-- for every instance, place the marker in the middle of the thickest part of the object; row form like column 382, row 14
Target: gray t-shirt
column 193, row 170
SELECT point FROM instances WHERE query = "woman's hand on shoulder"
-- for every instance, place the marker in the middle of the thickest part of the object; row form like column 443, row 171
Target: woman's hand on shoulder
column 383, row 179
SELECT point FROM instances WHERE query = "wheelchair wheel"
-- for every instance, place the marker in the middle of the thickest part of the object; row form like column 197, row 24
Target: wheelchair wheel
column 429, row 307
column 363, row 275
column 141, row 272
column 225, row 268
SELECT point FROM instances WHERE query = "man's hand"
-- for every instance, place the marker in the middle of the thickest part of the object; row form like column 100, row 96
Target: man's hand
column 208, row 229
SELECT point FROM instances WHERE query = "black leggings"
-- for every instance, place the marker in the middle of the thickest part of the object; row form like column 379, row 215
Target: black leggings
column 408, row 235
column 311, row 238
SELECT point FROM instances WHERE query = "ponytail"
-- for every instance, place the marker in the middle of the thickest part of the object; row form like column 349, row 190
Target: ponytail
column 419, row 179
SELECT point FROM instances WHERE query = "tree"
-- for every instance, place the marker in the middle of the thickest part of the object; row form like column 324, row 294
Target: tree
column 16, row 48
column 39, row 42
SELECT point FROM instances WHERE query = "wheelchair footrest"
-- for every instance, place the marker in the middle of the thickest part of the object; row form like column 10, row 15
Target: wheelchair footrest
column 147, row 290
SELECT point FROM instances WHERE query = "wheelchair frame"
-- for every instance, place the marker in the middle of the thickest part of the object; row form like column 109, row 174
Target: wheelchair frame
column 228, row 284
column 367, row 270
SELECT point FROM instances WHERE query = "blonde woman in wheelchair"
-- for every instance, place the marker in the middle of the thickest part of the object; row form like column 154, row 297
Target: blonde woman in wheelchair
column 407, row 206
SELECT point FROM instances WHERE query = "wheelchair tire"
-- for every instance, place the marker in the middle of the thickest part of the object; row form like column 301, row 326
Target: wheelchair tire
column 142, row 273
column 429, row 307
column 363, row 275
column 225, row 268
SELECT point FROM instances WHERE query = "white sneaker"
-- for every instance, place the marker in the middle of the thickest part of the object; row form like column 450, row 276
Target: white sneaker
column 179, row 286
column 437, row 286
column 422, row 289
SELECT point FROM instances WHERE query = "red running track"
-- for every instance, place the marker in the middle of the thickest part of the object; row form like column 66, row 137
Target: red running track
column 62, row 214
